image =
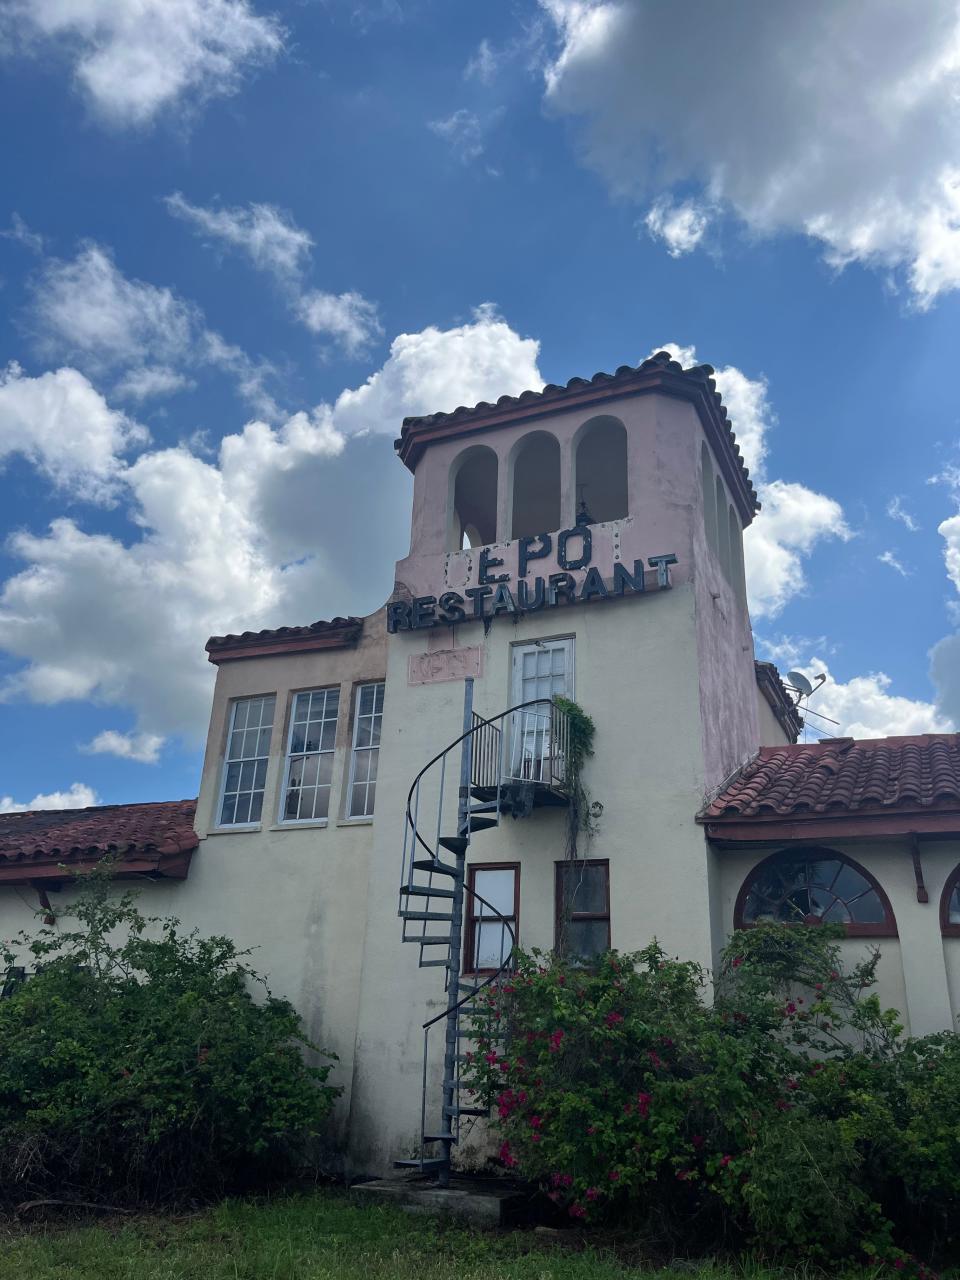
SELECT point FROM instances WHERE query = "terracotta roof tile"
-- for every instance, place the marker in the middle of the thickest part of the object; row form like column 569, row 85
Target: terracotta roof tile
column 844, row 778
column 145, row 837
column 660, row 372
column 338, row 632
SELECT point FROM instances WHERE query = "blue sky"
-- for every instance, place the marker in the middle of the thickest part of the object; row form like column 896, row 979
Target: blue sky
column 240, row 242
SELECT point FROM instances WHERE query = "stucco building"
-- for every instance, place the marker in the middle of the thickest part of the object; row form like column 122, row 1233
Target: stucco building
column 582, row 541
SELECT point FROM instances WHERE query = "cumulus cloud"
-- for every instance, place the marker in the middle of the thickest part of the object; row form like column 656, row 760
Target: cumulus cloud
column 830, row 118
column 864, row 707
column 86, row 311
column 287, row 523
column 142, row 747
column 793, row 519
column 78, row 796
column 62, row 425
column 133, row 59
column 681, row 227
column 441, row 369
column 274, row 243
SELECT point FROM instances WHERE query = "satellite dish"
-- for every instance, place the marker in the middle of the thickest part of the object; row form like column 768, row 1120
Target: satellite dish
column 800, row 683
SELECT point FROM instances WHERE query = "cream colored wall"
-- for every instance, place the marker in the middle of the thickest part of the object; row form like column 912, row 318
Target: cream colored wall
column 636, row 674
column 771, row 730
column 919, row 971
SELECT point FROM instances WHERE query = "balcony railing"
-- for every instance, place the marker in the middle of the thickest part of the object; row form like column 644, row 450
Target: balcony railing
column 531, row 746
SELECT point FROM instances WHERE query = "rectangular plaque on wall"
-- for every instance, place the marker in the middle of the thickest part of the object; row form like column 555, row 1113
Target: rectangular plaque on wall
column 444, row 664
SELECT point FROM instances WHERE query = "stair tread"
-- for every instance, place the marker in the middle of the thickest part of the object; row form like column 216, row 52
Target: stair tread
column 466, row 1111
column 436, row 866
column 440, row 1137
column 432, row 940
column 483, row 824
column 426, row 915
column 425, row 891
column 454, row 844
column 428, row 1162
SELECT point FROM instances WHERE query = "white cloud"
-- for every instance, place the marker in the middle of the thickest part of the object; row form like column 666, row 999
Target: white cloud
column 274, row 243
column 439, row 369
column 889, row 558
column 151, row 380
column 86, row 309
column 793, row 518
column 21, row 233
column 348, row 317
column 66, row 429
column 285, row 524
column 482, row 65
column 463, row 132
column 142, row 747
column 88, row 312
column 78, row 796
column 269, row 237
column 864, row 707
column 681, row 227
column 897, row 511
column 136, row 58
column 831, row 118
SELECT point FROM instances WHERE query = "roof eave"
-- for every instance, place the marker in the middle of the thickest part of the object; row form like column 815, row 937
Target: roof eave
column 815, row 827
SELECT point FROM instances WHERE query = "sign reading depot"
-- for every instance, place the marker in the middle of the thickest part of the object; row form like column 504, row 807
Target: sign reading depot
column 494, row 593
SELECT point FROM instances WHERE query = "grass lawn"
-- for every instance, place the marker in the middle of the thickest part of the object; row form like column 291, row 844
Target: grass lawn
column 320, row 1235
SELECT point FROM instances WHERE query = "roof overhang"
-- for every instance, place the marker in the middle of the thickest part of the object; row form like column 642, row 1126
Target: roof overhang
column 818, row 827
column 52, row 869
column 341, row 633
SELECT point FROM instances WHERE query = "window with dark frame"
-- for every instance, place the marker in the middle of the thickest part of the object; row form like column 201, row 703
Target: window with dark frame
column 950, row 906
column 814, row 886
column 583, row 908
column 488, row 941
column 365, row 755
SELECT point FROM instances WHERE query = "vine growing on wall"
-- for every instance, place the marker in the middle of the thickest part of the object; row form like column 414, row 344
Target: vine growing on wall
column 582, row 812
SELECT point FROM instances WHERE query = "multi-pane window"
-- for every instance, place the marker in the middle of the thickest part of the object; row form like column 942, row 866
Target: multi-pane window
column 488, row 941
column 309, row 772
column 813, row 887
column 583, row 908
column 245, row 764
column 366, row 750
column 950, row 906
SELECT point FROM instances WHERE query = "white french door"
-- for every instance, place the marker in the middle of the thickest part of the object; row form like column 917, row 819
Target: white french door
column 540, row 672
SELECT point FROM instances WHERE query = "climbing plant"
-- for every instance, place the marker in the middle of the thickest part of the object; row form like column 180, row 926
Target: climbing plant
column 582, row 812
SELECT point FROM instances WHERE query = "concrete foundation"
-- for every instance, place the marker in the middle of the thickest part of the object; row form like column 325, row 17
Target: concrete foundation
column 479, row 1202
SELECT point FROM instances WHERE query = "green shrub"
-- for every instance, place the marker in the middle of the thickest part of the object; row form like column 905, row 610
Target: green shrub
column 787, row 1112
column 136, row 1063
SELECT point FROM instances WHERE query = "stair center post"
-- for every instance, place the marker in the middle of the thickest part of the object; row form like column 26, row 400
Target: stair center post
column 451, row 1044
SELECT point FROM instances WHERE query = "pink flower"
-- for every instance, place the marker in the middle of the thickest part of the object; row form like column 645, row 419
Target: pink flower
column 613, row 1018
column 737, row 961
column 534, row 1137
column 614, row 1175
column 834, row 975
column 898, row 1264
column 556, row 1039
column 655, row 1059
column 792, row 1084
column 504, row 1065
column 535, row 1122
column 783, row 1105
column 593, row 1193
column 725, row 1161
column 791, row 1007
column 490, row 1058
column 683, row 1175
column 506, row 1157
column 643, row 1104
column 577, row 1210
column 591, row 1130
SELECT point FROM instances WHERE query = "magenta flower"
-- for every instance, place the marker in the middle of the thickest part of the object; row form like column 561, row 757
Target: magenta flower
column 593, row 1193
column 613, row 1018
column 643, row 1104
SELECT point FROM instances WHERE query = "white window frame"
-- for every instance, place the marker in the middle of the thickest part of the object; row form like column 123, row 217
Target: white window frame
column 349, row 815
column 566, row 643
column 226, row 762
column 282, row 820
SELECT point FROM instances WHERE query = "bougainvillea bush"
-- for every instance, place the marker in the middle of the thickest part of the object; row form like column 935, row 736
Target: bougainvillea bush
column 136, row 1064
column 784, row 1110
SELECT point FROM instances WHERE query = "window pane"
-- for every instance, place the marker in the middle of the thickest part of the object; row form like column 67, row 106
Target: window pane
column 498, row 888
column 228, row 811
column 492, row 945
column 585, row 887
column 364, row 756
column 953, row 910
column 868, row 909
column 586, row 938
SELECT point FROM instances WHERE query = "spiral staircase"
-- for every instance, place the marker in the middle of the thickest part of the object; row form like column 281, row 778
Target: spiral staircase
column 509, row 766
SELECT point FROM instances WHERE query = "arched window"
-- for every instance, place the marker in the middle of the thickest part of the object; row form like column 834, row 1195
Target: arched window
column 737, row 574
column 536, row 485
column 709, row 498
column 814, row 886
column 950, row 906
column 601, row 461
column 723, row 530
column 474, row 506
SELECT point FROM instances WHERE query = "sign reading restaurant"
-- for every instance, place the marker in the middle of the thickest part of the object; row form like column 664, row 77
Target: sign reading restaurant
column 494, row 595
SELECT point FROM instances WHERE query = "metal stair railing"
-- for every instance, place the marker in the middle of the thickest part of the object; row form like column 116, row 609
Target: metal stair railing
column 484, row 771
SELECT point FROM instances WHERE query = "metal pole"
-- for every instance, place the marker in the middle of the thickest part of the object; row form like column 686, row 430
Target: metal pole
column 456, row 937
